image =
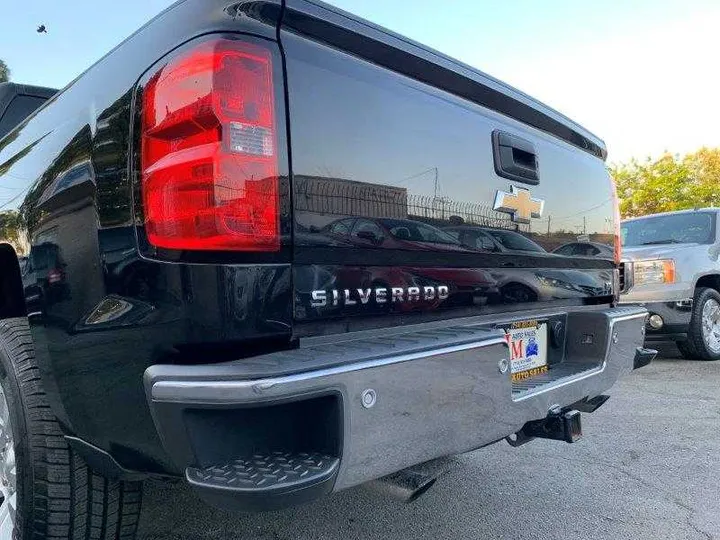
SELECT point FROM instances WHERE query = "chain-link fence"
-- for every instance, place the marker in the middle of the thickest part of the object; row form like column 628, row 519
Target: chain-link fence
column 334, row 197
column 337, row 197
column 441, row 211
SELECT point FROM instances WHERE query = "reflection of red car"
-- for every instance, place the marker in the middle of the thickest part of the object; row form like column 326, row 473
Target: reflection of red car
column 384, row 276
column 468, row 286
column 389, row 233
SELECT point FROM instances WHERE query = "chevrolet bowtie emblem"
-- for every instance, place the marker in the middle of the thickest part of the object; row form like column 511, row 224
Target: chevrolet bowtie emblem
column 519, row 204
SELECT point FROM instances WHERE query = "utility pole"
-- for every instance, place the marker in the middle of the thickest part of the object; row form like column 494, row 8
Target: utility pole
column 584, row 225
column 549, row 217
column 435, row 198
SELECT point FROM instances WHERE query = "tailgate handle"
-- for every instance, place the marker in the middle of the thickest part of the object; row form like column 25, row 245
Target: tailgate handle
column 515, row 158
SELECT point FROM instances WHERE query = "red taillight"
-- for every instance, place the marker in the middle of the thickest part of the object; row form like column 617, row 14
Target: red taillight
column 55, row 276
column 209, row 157
column 616, row 222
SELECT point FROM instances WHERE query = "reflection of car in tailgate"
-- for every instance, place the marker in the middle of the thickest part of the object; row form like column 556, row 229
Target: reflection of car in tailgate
column 267, row 294
column 43, row 275
column 585, row 249
column 487, row 239
column 389, row 233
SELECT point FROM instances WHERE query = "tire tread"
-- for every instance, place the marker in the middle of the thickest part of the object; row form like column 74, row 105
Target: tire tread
column 67, row 500
column 694, row 347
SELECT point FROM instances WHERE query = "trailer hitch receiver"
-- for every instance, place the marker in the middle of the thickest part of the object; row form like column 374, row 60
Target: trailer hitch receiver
column 558, row 425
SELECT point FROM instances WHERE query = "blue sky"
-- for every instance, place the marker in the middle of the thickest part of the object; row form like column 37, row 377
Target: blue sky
column 638, row 73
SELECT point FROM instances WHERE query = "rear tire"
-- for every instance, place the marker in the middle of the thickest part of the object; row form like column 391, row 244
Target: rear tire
column 703, row 342
column 57, row 494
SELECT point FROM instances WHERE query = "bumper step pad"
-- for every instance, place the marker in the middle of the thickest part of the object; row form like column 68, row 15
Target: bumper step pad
column 255, row 481
column 557, row 374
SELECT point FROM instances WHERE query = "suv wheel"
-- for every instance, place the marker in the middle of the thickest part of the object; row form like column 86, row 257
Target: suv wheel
column 703, row 342
column 46, row 490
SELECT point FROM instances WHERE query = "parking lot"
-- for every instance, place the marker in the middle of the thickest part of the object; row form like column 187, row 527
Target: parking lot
column 646, row 468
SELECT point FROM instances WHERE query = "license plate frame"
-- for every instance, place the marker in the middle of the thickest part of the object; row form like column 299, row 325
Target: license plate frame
column 527, row 349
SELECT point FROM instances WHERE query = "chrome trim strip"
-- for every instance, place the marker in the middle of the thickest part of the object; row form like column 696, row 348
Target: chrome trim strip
column 182, row 391
column 622, row 318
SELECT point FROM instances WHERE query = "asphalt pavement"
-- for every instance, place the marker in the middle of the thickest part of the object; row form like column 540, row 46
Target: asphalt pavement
column 648, row 467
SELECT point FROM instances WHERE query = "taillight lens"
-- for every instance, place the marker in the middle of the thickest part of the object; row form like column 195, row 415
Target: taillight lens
column 55, row 275
column 616, row 222
column 209, row 156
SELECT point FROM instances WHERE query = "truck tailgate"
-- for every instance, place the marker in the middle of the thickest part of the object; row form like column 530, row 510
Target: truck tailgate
column 431, row 200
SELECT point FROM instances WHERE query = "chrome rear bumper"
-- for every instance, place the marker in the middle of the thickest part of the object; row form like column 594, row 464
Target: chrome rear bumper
column 401, row 399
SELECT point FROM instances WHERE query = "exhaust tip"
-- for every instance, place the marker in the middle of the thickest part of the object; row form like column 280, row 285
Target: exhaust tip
column 410, row 484
column 415, row 495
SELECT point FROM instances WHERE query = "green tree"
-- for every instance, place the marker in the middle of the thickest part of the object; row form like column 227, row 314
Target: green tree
column 4, row 72
column 10, row 227
column 669, row 183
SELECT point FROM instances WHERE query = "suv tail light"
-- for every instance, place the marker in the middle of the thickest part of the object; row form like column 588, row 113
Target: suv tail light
column 55, row 276
column 209, row 157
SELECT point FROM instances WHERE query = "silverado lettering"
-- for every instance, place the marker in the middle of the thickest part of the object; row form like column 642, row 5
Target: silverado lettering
column 351, row 297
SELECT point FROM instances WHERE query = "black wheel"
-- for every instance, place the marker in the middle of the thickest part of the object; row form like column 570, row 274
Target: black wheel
column 703, row 342
column 517, row 293
column 47, row 490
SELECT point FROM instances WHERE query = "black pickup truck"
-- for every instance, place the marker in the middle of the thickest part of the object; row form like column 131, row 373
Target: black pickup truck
column 278, row 251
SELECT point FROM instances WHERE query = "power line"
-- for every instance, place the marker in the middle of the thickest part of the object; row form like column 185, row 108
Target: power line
column 16, row 197
column 582, row 211
column 421, row 173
